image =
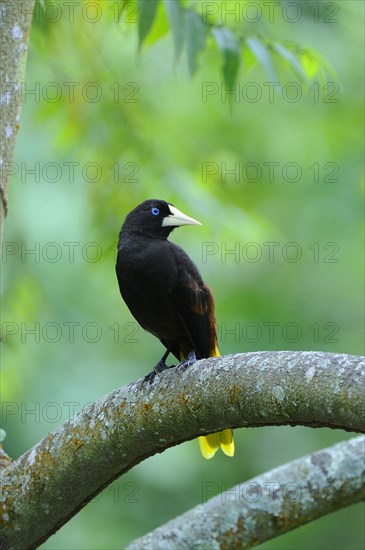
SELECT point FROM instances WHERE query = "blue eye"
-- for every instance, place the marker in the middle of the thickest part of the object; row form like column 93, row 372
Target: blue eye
column 155, row 211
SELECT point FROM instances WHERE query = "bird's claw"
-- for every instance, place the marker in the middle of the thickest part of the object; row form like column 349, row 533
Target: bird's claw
column 161, row 366
column 191, row 358
column 149, row 377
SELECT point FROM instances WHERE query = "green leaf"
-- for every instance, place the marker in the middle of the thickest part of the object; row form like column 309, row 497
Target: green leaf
column 310, row 64
column 249, row 60
column 160, row 26
column 315, row 65
column 196, row 38
column 292, row 60
column 230, row 48
column 263, row 56
column 175, row 15
column 147, row 12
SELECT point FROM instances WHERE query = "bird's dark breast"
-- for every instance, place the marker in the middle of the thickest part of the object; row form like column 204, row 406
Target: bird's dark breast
column 145, row 275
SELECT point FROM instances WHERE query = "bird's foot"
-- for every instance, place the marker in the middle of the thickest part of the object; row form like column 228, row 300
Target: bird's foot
column 191, row 358
column 161, row 366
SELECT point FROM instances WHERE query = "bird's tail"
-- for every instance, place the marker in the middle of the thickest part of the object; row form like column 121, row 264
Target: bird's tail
column 209, row 444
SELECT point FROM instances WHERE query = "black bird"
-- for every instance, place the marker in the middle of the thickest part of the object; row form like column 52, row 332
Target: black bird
column 165, row 293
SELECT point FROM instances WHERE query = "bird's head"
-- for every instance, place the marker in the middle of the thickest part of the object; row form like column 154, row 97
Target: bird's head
column 156, row 218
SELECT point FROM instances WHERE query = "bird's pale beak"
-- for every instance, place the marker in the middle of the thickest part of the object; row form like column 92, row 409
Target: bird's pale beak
column 177, row 218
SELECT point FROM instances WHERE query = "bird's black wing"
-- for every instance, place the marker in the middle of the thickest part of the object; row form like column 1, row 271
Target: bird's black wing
column 195, row 307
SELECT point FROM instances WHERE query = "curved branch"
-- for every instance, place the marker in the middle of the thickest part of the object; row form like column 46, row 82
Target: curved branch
column 73, row 464
column 269, row 505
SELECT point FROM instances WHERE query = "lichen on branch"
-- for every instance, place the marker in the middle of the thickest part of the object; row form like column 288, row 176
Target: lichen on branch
column 270, row 504
column 112, row 435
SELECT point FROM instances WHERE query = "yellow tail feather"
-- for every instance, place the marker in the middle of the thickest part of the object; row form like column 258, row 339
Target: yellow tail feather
column 226, row 442
column 209, row 444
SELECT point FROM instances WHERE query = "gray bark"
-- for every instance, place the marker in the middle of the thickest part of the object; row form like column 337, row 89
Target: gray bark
column 15, row 23
column 268, row 505
column 49, row 484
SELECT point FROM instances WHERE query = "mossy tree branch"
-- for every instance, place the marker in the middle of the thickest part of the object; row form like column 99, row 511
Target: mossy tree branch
column 46, row 486
column 268, row 505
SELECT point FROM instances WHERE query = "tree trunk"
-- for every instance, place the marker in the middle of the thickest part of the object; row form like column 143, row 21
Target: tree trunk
column 15, row 23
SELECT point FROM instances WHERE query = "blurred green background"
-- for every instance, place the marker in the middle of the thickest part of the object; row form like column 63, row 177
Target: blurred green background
column 116, row 128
